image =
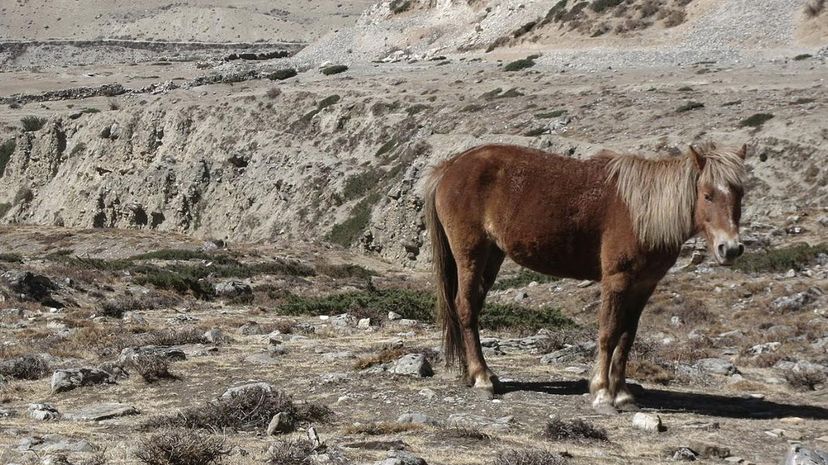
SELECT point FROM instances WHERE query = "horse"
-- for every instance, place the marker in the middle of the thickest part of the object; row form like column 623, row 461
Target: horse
column 614, row 218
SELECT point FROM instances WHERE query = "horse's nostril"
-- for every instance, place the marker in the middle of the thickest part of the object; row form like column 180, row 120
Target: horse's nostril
column 722, row 250
column 741, row 250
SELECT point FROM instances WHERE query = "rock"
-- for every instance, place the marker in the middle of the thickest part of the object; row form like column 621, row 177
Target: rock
column 765, row 348
column 417, row 418
column 800, row 455
column 364, row 323
column 647, row 422
column 399, row 457
column 66, row 380
column 416, row 365
column 243, row 389
column 280, row 423
column 54, row 443
column 132, row 354
column 685, row 454
column 573, row 353
column 710, row 451
column 251, row 329
column 394, row 316
column 716, row 366
column 520, row 296
column 407, row 322
column 313, row 437
column 214, row 336
column 100, row 412
column 468, row 420
column 233, row 289
column 585, row 283
column 792, row 303
column 344, row 320
column 43, row 412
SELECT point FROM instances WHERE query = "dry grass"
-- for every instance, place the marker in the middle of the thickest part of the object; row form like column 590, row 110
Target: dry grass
column 460, row 432
column 573, row 430
column 382, row 427
column 290, row 452
column 152, row 367
column 181, row 448
column 384, row 356
column 805, row 380
column 530, row 457
column 814, row 8
column 249, row 411
column 26, row 367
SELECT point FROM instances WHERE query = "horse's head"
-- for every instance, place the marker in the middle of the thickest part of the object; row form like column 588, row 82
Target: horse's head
column 719, row 193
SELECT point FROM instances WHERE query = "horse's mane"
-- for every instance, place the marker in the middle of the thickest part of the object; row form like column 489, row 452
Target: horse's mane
column 661, row 192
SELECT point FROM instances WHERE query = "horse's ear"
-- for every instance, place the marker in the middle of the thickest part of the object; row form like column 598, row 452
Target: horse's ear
column 742, row 152
column 697, row 155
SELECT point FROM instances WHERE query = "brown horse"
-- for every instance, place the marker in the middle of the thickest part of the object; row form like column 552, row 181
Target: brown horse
column 617, row 219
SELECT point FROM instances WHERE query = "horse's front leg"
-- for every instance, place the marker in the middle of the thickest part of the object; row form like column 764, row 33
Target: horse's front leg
column 633, row 305
column 613, row 290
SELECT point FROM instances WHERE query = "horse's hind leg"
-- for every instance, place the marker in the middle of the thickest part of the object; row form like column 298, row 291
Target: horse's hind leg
column 476, row 274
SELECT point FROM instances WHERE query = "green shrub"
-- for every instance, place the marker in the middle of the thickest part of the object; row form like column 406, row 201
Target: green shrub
column 348, row 231
column 522, row 279
column 6, row 151
column 387, row 147
column 573, row 430
column 359, row 184
column 91, row 110
column 282, row 74
column 10, row 257
column 518, row 65
column 803, row 56
column 691, row 105
column 534, row 132
column 600, row 5
column 794, row 257
column 4, row 208
column 334, row 69
column 756, row 120
column 419, row 305
column 32, row 123
column 347, row 270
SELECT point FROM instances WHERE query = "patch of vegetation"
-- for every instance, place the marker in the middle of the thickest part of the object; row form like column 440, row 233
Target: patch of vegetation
column 249, row 410
column 414, row 109
column 600, row 5
column 536, row 132
column 90, row 111
column 756, row 120
column 795, row 257
column 10, row 257
column 359, row 184
column 334, row 69
column 530, row 457
column 399, row 6
column 282, row 74
column 328, row 101
column 518, row 65
column 273, row 92
column 113, row 105
column 181, row 448
column 550, row 114
column 29, row 367
column 799, row 101
column 691, row 105
column 4, row 208
column 731, row 103
column 387, row 147
column 805, row 380
column 181, row 254
column 382, row 427
column 347, row 270
column 803, row 56
column 522, row 279
column 379, row 358
column 152, row 367
column 6, row 151
column 569, row 430
column 77, row 149
column 460, row 432
column 32, row 123
column 290, row 452
column 471, row 108
column 814, row 8
column 347, row 232
column 685, row 89
column 419, row 305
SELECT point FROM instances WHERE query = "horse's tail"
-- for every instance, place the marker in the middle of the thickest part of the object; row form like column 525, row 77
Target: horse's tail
column 445, row 273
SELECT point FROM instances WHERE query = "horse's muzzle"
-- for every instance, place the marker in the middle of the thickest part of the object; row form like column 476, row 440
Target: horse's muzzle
column 728, row 251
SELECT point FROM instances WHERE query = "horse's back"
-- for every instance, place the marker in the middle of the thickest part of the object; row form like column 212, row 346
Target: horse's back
column 536, row 206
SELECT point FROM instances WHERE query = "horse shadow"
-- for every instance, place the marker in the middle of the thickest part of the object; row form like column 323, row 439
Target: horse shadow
column 683, row 402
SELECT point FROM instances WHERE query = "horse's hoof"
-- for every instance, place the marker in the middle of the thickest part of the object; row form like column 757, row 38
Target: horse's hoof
column 484, row 392
column 605, row 409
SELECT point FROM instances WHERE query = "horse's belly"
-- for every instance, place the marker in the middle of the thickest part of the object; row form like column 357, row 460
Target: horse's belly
column 574, row 256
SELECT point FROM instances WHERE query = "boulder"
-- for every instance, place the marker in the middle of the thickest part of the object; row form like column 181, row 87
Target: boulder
column 399, row 457
column 648, row 422
column 800, row 455
column 716, row 366
column 98, row 412
column 66, row 380
column 416, row 365
column 233, row 289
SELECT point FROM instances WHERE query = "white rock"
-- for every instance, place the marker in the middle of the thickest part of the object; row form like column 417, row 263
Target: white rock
column 647, row 422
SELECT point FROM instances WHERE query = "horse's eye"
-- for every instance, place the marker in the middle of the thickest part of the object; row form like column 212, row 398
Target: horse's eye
column 708, row 197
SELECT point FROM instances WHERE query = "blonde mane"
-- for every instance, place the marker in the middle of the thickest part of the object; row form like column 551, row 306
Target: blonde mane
column 660, row 193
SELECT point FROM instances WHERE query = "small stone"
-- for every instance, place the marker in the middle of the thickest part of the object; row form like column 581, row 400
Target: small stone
column 585, row 283
column 684, row 454
column 98, row 412
column 716, row 366
column 43, row 412
column 233, row 290
column 243, row 389
column 520, row 295
column 734, row 459
column 790, row 274
column 407, row 322
column 280, row 423
column 394, row 316
column 214, row 336
column 412, row 365
column 401, row 458
column 364, row 323
column 676, row 321
column 800, row 455
column 648, row 422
